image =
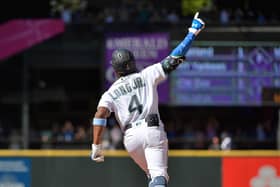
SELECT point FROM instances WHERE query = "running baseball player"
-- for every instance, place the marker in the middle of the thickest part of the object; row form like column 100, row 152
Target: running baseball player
column 133, row 98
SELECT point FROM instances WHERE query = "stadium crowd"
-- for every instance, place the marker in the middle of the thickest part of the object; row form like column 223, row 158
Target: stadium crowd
column 219, row 12
column 185, row 131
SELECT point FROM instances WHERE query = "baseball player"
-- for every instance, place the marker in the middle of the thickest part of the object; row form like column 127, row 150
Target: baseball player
column 133, row 98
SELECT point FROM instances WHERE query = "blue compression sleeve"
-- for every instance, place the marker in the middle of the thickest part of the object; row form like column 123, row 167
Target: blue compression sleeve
column 183, row 47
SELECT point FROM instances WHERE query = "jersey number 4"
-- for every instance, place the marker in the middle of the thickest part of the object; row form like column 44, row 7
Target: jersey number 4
column 134, row 105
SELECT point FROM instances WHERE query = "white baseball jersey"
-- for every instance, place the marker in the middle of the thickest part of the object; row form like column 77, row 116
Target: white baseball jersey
column 134, row 96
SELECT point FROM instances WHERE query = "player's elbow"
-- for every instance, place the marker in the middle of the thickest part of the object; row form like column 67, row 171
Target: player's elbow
column 102, row 112
column 170, row 63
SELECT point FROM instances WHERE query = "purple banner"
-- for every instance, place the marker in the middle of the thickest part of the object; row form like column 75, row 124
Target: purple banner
column 18, row 35
column 148, row 48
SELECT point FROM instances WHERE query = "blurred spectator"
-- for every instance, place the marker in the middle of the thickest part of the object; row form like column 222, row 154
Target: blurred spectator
column 270, row 132
column 260, row 132
column 81, row 134
column 46, row 137
column 265, row 131
column 106, row 142
column 68, row 131
column 79, row 12
column 114, row 134
column 144, row 13
column 109, row 16
column 215, row 143
column 189, row 131
column 172, row 17
column 212, row 125
column 226, row 141
column 116, row 137
column 170, row 130
column 66, row 14
column 199, row 140
column 224, row 17
column 238, row 15
column 68, row 10
column 261, row 18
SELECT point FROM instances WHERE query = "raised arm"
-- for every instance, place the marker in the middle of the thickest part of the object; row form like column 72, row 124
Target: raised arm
column 177, row 56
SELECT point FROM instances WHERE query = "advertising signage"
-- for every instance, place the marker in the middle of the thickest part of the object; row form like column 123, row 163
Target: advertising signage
column 226, row 75
column 251, row 172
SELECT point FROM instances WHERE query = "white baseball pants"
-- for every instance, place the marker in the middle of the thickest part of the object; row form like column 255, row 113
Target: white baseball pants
column 148, row 147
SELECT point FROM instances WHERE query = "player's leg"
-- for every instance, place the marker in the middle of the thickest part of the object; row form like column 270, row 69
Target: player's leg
column 157, row 162
column 156, row 153
column 139, row 158
column 133, row 142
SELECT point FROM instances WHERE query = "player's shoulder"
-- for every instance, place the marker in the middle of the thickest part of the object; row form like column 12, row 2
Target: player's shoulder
column 112, row 87
column 151, row 68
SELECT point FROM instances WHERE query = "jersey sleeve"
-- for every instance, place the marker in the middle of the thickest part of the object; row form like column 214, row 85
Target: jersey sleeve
column 155, row 73
column 106, row 101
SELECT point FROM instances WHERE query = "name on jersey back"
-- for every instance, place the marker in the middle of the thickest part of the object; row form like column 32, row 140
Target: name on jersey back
column 126, row 88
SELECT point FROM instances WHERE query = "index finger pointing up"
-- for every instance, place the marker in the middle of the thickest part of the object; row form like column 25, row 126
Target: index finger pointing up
column 196, row 15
